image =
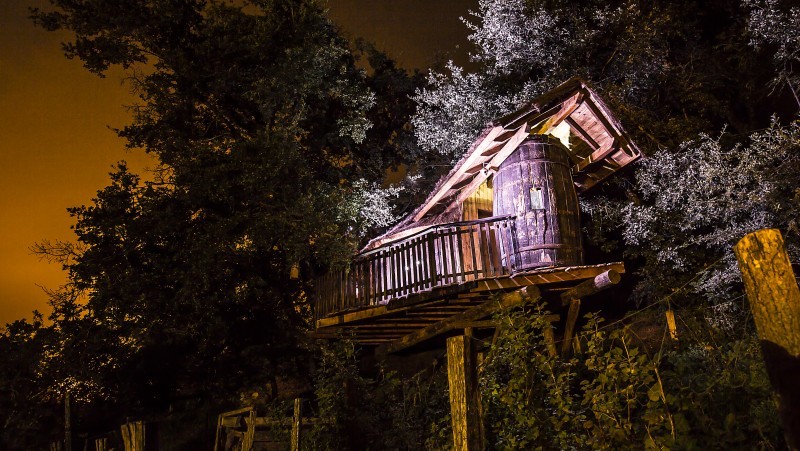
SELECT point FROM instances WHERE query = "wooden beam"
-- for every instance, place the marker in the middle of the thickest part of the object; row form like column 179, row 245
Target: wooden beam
column 567, row 108
column 508, row 148
column 569, row 329
column 599, row 283
column 462, row 378
column 582, row 134
column 596, row 156
column 510, row 300
column 464, row 167
column 774, row 297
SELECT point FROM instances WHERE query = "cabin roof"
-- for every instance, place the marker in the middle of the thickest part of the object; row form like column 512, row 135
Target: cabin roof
column 596, row 143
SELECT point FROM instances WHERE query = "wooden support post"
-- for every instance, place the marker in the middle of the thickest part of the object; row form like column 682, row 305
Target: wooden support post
column 464, row 395
column 775, row 303
column 297, row 423
column 101, row 444
column 673, row 330
column 133, row 436
column 569, row 329
column 67, row 423
column 550, row 340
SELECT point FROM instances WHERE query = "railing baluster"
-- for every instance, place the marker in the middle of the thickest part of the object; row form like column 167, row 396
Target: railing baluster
column 473, row 233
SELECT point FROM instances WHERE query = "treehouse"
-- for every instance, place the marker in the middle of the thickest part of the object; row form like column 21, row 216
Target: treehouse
column 505, row 217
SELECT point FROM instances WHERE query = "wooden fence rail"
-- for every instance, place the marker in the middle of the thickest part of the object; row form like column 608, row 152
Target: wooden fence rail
column 441, row 255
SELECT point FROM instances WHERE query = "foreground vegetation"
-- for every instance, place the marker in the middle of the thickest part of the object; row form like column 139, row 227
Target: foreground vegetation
column 188, row 292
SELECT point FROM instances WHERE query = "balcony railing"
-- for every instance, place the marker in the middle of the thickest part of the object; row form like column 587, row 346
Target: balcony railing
column 439, row 256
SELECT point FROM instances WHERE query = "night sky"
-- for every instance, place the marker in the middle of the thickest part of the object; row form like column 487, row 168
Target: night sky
column 56, row 145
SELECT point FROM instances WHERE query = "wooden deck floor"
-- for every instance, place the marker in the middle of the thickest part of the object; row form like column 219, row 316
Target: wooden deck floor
column 383, row 324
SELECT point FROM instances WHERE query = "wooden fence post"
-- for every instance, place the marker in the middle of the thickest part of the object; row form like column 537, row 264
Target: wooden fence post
column 133, row 436
column 101, row 444
column 775, row 303
column 67, row 424
column 297, row 423
column 673, row 329
column 462, row 378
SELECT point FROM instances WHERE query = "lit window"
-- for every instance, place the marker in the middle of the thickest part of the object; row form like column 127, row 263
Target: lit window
column 537, row 202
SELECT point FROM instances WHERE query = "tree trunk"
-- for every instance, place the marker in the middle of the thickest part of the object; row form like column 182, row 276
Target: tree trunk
column 775, row 302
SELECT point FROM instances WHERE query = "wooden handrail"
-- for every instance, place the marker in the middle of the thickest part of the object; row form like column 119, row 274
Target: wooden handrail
column 438, row 256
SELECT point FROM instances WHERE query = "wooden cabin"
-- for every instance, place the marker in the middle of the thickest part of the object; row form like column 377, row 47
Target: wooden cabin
column 506, row 216
column 504, row 221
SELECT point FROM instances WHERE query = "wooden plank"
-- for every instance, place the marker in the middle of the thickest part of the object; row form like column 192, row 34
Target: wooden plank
column 547, row 276
column 596, row 156
column 365, row 314
column 462, row 378
column 774, row 298
column 510, row 300
column 576, row 127
column 436, row 293
column 567, row 107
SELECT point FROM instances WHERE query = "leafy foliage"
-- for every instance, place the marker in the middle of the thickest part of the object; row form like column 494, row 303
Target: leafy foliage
column 697, row 202
column 778, row 27
column 269, row 157
column 617, row 395
column 388, row 412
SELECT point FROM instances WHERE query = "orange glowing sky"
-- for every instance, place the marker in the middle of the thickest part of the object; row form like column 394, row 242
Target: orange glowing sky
column 56, row 148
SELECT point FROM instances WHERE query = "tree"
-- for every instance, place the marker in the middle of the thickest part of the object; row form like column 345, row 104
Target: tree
column 181, row 286
column 675, row 74
column 22, row 389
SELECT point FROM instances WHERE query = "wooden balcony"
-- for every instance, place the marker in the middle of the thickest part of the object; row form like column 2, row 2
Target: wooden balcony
column 424, row 264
